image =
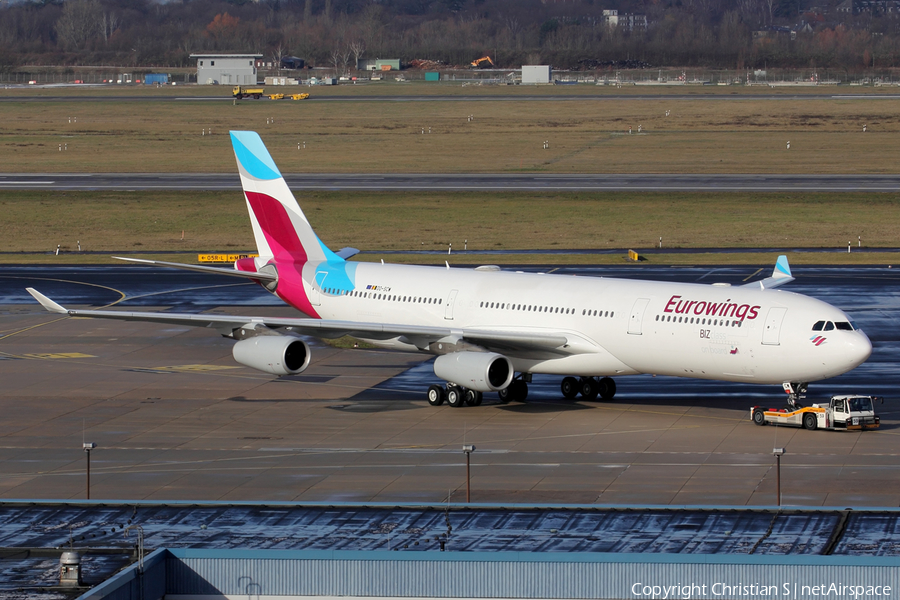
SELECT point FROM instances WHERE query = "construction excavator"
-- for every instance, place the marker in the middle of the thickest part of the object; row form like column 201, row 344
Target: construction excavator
column 484, row 61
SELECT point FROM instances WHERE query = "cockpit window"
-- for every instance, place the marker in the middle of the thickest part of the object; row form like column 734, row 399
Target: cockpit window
column 829, row 326
column 843, row 325
column 818, row 326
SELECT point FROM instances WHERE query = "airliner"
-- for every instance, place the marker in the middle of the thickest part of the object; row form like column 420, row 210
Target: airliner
column 492, row 329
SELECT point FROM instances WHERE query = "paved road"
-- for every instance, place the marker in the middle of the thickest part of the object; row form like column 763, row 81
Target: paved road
column 461, row 181
column 176, row 418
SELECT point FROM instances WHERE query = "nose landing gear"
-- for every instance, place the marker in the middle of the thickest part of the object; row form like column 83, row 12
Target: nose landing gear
column 795, row 392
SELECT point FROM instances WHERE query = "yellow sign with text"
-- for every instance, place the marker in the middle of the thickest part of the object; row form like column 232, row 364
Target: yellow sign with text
column 222, row 258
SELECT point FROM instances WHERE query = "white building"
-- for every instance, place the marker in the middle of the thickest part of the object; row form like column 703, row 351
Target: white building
column 532, row 74
column 626, row 21
column 226, row 69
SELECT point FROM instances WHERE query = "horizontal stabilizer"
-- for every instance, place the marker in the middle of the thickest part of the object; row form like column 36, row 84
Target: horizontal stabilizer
column 780, row 275
column 46, row 302
column 346, row 253
column 201, row 269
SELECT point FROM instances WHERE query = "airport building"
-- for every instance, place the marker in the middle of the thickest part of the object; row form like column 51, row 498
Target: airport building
column 535, row 74
column 226, row 69
column 188, row 550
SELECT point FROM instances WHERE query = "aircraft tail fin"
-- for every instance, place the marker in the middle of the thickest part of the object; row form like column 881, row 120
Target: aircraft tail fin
column 279, row 225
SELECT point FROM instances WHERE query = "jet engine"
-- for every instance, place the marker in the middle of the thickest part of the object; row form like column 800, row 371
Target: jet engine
column 480, row 371
column 275, row 354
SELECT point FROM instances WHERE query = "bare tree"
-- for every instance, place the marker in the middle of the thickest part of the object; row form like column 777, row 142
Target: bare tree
column 110, row 25
column 337, row 61
column 357, row 48
column 278, row 53
column 80, row 22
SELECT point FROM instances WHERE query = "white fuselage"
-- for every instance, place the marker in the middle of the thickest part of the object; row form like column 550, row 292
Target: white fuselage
column 617, row 326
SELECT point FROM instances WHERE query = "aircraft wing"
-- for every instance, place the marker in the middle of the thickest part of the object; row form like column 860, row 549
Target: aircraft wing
column 557, row 343
column 780, row 275
column 201, row 269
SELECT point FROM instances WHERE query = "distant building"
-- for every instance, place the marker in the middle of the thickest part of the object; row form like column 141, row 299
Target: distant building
column 292, row 62
column 378, row 64
column 626, row 21
column 845, row 7
column 774, row 32
column 226, row 69
column 534, row 74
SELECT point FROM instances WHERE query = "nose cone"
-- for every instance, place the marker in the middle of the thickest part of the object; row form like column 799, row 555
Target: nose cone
column 859, row 349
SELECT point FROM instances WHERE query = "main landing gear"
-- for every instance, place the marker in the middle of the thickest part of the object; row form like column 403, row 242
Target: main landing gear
column 455, row 395
column 517, row 390
column 588, row 387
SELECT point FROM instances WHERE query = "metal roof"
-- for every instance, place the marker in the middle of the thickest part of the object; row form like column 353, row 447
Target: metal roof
column 97, row 529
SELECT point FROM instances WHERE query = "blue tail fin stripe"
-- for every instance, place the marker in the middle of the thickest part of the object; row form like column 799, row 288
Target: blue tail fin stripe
column 782, row 266
column 253, row 155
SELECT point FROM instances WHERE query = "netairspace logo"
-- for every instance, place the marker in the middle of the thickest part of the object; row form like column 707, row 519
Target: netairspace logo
column 785, row 590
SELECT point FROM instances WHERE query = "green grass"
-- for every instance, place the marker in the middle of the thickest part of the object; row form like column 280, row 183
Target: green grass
column 152, row 222
column 507, row 136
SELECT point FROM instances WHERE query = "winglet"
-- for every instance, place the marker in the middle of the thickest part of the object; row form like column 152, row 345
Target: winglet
column 782, row 268
column 780, row 275
column 47, row 302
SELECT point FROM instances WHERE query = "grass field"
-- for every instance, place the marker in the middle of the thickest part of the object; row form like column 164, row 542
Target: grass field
column 700, row 135
column 35, row 222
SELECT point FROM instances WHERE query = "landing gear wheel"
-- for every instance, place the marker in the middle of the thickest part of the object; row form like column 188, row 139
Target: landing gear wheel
column 455, row 397
column 758, row 417
column 504, row 394
column 473, row 398
column 435, row 395
column 589, row 388
column 607, row 388
column 569, row 388
column 810, row 421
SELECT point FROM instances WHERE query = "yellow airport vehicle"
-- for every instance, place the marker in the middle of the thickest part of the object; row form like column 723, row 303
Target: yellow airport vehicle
column 302, row 96
column 240, row 92
column 852, row 413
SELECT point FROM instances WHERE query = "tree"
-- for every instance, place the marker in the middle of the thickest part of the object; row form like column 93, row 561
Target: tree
column 80, row 22
column 223, row 27
column 357, row 47
column 339, row 59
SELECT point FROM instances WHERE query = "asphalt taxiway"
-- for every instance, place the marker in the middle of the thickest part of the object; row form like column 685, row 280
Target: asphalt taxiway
column 175, row 418
column 597, row 182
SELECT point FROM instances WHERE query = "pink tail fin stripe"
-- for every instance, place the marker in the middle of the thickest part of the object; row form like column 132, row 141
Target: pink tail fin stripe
column 277, row 227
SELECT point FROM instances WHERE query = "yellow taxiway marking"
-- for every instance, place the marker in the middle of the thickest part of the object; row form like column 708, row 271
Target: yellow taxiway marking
column 193, row 368
column 60, row 355
column 752, row 275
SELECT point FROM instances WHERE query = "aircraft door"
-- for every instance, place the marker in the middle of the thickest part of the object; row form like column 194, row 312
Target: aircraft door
column 635, row 321
column 772, row 332
column 448, row 305
column 314, row 297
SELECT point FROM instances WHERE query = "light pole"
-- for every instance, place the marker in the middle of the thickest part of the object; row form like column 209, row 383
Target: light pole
column 88, row 446
column 778, row 452
column 469, row 449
